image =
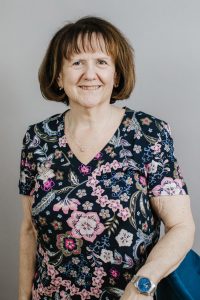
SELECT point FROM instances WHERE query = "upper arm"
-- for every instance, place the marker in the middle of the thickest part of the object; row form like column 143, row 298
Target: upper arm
column 27, row 223
column 173, row 210
column 28, row 169
column 167, row 189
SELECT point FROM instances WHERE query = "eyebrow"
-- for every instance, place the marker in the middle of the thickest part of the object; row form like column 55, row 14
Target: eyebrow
column 106, row 58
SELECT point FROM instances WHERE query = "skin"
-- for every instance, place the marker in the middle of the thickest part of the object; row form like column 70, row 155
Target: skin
column 167, row 254
column 88, row 109
column 27, row 250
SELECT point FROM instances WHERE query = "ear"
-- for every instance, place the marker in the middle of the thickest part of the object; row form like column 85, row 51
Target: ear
column 116, row 79
column 60, row 80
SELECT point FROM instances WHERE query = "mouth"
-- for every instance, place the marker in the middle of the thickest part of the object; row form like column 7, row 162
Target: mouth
column 90, row 88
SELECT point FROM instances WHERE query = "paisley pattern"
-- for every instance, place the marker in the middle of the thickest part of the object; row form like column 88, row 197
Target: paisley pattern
column 95, row 223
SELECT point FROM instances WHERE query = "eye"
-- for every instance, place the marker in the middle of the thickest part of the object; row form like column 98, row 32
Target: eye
column 77, row 63
column 102, row 62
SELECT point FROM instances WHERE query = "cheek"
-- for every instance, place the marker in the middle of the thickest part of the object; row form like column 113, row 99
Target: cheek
column 108, row 78
column 70, row 81
column 70, row 78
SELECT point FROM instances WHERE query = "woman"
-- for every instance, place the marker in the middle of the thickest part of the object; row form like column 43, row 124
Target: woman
column 97, row 180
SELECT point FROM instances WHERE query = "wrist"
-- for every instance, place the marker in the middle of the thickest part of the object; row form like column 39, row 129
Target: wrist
column 144, row 285
column 150, row 271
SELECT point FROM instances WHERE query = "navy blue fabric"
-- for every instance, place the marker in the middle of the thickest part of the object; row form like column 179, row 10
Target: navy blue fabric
column 95, row 223
column 184, row 282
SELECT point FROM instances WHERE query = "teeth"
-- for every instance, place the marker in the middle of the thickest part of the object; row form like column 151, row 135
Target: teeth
column 90, row 87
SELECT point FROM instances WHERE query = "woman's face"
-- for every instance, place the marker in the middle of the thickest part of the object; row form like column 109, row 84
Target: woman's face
column 88, row 77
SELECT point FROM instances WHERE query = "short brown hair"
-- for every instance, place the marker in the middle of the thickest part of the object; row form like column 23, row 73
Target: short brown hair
column 65, row 43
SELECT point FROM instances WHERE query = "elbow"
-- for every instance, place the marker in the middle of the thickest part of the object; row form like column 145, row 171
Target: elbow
column 192, row 232
column 27, row 229
column 189, row 233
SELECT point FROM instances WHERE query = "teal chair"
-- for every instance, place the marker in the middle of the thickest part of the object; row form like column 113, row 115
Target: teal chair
column 184, row 282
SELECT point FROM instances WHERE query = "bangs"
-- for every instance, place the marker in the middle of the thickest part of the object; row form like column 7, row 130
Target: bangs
column 89, row 34
column 87, row 41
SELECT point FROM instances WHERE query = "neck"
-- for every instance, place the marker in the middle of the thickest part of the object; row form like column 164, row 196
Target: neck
column 88, row 119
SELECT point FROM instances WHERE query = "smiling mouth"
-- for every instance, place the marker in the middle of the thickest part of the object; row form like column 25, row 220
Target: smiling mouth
column 94, row 87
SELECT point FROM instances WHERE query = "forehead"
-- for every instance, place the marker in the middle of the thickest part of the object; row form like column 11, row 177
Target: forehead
column 89, row 43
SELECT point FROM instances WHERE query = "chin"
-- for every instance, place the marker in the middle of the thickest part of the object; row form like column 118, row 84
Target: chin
column 89, row 103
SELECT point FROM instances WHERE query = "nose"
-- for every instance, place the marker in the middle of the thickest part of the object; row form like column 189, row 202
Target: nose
column 90, row 72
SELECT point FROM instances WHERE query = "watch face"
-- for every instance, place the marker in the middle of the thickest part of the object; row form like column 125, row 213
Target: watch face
column 144, row 285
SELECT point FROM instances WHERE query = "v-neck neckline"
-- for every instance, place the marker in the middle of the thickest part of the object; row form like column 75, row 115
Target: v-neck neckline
column 72, row 157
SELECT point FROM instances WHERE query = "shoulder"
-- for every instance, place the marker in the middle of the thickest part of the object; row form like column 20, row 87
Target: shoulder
column 51, row 120
column 149, row 124
column 47, row 129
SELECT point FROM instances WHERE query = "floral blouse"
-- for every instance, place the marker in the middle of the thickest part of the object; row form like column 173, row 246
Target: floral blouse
column 95, row 222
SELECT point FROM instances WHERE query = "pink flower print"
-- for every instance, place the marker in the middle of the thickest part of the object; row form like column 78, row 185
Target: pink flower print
column 64, row 296
column 52, row 271
column 57, row 281
column 33, row 166
column 92, row 181
column 84, row 169
column 95, row 291
column 63, row 141
column 169, row 186
column 98, row 156
column 40, row 288
column 73, row 290
column 48, row 291
column 115, row 205
column 56, row 225
column 124, row 239
column 84, row 294
column 137, row 135
column 85, row 225
column 46, row 258
column 106, row 256
column 144, row 226
column 96, row 281
column 146, row 121
column 103, row 200
column 116, row 165
column 25, row 163
column 37, row 185
column 106, row 168
column 156, row 148
column 44, row 173
column 96, row 172
column 66, row 283
column 99, row 272
column 97, row 191
column 114, row 273
column 143, row 180
column 35, row 294
column 68, row 244
column 124, row 213
column 58, row 154
column 152, row 167
column 48, row 164
column 48, row 185
column 66, row 205
column 41, row 251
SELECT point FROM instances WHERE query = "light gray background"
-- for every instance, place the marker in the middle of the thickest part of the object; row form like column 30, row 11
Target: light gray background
column 166, row 39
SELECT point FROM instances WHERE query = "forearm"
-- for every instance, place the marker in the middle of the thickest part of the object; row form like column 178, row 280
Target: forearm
column 26, row 263
column 168, row 253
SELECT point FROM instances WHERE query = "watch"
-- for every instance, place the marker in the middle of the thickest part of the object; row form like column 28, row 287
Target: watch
column 144, row 285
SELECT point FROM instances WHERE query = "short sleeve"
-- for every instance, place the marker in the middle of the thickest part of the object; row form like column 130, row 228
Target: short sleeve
column 26, row 181
column 163, row 172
